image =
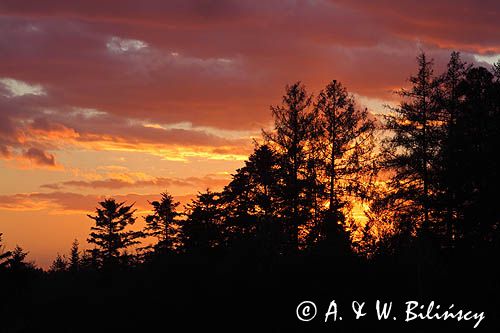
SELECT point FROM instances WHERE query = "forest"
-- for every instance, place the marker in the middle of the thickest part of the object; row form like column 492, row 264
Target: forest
column 335, row 202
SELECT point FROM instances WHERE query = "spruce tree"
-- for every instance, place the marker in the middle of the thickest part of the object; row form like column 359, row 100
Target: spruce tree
column 74, row 257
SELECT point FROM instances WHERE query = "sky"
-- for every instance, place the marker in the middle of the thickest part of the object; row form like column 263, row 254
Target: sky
column 128, row 98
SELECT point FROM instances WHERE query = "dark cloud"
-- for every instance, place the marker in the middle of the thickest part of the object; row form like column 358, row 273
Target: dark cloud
column 222, row 63
column 211, row 64
column 40, row 157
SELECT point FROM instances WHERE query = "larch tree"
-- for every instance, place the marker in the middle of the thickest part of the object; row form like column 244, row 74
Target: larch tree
column 411, row 148
column 294, row 126
column 347, row 143
column 448, row 164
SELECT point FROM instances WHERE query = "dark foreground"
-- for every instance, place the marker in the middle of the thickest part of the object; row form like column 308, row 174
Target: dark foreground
column 235, row 292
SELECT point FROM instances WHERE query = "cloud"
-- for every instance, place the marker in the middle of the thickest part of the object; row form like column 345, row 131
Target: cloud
column 92, row 76
column 222, row 64
column 119, row 45
column 68, row 202
column 488, row 59
column 30, row 125
column 39, row 157
column 441, row 23
column 208, row 181
column 19, row 88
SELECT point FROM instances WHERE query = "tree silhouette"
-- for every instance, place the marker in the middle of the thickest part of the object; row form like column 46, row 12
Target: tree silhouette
column 473, row 164
column 240, row 212
column 59, row 265
column 411, row 149
column 16, row 262
column 447, row 163
column 91, row 259
column 74, row 257
column 202, row 228
column 263, row 166
column 347, row 143
column 250, row 202
column 161, row 223
column 109, row 234
column 293, row 127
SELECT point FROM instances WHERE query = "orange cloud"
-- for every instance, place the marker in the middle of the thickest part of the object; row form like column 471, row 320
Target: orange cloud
column 73, row 203
column 39, row 157
column 161, row 182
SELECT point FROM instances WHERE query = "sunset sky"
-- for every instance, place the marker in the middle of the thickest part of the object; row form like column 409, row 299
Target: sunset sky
column 128, row 98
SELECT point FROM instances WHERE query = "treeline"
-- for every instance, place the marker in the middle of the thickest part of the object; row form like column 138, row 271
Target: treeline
column 424, row 171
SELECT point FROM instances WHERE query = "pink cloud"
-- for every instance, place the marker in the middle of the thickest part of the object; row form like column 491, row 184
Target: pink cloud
column 69, row 202
column 222, row 64
column 161, row 182
column 39, row 157
column 216, row 65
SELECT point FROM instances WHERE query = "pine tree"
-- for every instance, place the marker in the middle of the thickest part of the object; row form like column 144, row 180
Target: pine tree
column 239, row 205
column 264, row 170
column 162, row 222
column 250, row 201
column 202, row 229
column 109, row 234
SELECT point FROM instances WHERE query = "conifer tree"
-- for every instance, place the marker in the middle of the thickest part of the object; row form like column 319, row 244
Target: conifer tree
column 74, row 257
column 202, row 228
column 109, row 233
column 347, row 144
column 17, row 261
column 412, row 147
column 294, row 126
column 448, row 164
column 162, row 221
column 60, row 264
